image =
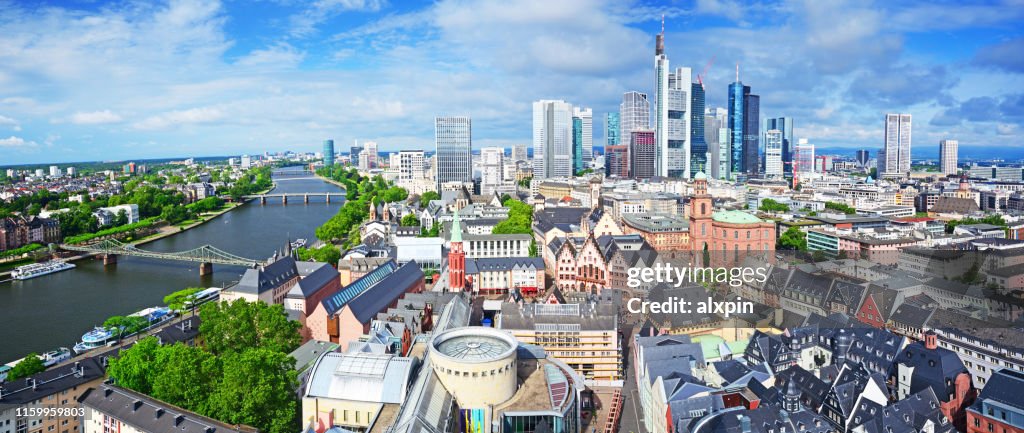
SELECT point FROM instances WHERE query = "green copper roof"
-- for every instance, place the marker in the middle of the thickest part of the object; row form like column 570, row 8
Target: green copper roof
column 456, row 228
column 734, row 217
column 700, row 175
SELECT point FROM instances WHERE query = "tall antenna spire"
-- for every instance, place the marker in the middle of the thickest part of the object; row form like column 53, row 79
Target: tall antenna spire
column 662, row 23
column 737, row 72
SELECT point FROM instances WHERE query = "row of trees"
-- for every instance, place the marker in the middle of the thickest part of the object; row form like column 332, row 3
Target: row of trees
column 242, row 375
column 840, row 207
column 360, row 192
column 996, row 220
column 769, row 205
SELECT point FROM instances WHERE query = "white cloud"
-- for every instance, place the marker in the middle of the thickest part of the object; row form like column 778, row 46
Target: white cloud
column 305, row 23
column 95, row 117
column 281, row 55
column 181, row 117
column 16, row 142
column 7, row 121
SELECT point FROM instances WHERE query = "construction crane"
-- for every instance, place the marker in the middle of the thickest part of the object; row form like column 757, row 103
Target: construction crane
column 704, row 73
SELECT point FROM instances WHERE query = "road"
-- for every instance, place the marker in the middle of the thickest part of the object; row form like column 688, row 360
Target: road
column 632, row 413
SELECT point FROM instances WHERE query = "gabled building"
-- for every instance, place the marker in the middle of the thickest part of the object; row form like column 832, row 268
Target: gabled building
column 925, row 365
column 1000, row 406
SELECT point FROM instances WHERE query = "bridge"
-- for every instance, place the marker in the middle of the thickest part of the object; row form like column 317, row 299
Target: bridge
column 205, row 255
column 284, row 196
column 292, row 172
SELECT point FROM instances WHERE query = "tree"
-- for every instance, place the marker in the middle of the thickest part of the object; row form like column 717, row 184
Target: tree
column 841, row 207
column 793, row 239
column 234, row 327
column 121, row 218
column 177, row 300
column 258, row 389
column 29, row 365
column 186, row 377
column 533, row 248
column 410, row 220
column 326, row 254
column 769, row 205
column 134, row 368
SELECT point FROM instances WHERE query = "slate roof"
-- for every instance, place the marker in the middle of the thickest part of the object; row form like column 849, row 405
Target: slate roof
column 375, row 299
column 1004, row 387
column 475, row 266
column 315, row 276
column 932, row 368
column 49, row 382
column 812, row 389
column 150, row 415
column 911, row 315
column 259, row 280
column 909, row 415
column 954, row 205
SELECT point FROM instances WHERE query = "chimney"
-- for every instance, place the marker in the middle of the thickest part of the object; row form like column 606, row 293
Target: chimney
column 34, row 382
column 178, row 419
column 159, row 411
column 136, row 405
column 931, row 341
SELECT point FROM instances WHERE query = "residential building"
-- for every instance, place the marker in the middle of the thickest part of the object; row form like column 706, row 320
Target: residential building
column 18, row 231
column 410, row 166
column 897, row 146
column 109, row 409
column 453, row 140
column 552, row 139
column 500, row 275
column 60, row 386
column 924, row 365
column 948, row 156
column 269, row 283
column 328, row 153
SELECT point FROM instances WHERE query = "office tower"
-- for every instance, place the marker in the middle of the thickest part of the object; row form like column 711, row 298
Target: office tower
column 54, row 171
column 862, row 157
column 611, row 131
column 577, row 144
column 72, row 171
column 616, row 161
column 784, row 125
column 328, row 153
column 40, row 173
column 453, row 140
column 823, row 164
column 947, row 156
column 672, row 114
column 634, row 113
column 552, row 139
column 368, row 157
column 744, row 114
column 354, row 153
column 716, row 135
column 773, row 153
column 643, row 154
column 410, row 165
column 491, row 169
column 803, row 157
column 897, row 146
column 585, row 133
column 519, row 153
column 698, row 145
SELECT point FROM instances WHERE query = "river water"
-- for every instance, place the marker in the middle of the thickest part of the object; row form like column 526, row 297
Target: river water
column 54, row 310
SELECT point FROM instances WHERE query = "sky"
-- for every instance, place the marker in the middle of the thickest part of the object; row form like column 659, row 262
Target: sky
column 86, row 80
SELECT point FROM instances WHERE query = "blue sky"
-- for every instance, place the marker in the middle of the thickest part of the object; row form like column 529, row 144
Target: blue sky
column 136, row 79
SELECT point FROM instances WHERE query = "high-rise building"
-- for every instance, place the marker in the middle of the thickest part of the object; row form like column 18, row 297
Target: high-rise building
column 354, row 153
column 897, row 146
column 491, row 170
column 643, row 154
column 328, row 153
column 368, row 157
column 453, row 140
column 246, row 162
column 552, row 139
column 634, row 113
column 773, row 153
column 785, row 126
column 803, row 157
column 410, row 165
column 54, row 171
column 519, row 153
column 863, row 155
column 71, row 171
column 716, row 135
column 744, row 115
column 698, row 145
column 616, row 161
column 672, row 114
column 583, row 131
column 947, row 156
column 611, row 131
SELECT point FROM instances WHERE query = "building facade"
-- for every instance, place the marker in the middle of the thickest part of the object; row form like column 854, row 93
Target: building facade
column 453, row 139
column 612, row 135
column 948, row 156
column 328, row 153
column 643, row 152
column 634, row 114
column 552, row 139
column 773, row 153
column 897, row 146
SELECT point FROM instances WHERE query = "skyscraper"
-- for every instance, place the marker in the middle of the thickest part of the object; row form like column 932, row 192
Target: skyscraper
column 453, row 138
column 803, row 157
column 716, row 134
column 611, row 130
column 744, row 123
column 897, row 146
column 519, row 153
column 947, row 156
column 368, row 157
column 492, row 164
column 634, row 113
column 583, row 138
column 784, row 125
column 353, row 154
column 672, row 114
column 698, row 146
column 410, row 165
column 773, row 153
column 863, row 155
column 328, row 153
column 552, row 139
column 643, row 154
column 616, row 161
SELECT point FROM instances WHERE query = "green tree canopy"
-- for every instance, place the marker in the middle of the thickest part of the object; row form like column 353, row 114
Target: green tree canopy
column 841, row 207
column 28, row 366
column 428, row 196
column 236, row 326
column 258, row 389
column 769, row 205
column 177, row 300
column 410, row 220
column 134, row 368
column 326, row 254
column 793, row 239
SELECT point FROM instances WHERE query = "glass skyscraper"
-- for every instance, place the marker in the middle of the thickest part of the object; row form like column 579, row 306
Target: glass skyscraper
column 785, row 126
column 328, row 153
column 744, row 122
column 736, row 92
column 454, row 146
column 577, row 145
column 698, row 144
column 611, row 130
column 552, row 139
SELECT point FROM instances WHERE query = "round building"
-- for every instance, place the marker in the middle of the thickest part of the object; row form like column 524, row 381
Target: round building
column 476, row 364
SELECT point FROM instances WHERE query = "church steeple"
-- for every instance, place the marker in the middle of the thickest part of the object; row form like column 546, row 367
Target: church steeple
column 456, row 258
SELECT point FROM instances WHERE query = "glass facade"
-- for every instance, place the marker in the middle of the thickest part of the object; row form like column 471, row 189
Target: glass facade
column 785, row 126
column 328, row 153
column 698, row 145
column 453, row 138
column 751, row 131
column 611, row 129
column 736, row 91
column 577, row 145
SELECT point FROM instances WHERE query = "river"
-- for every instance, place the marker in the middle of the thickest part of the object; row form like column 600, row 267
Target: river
column 54, row 310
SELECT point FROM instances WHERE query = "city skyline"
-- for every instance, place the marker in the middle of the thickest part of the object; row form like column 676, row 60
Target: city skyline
column 187, row 78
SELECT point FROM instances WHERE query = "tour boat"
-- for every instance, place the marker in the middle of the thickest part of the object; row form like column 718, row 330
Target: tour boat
column 98, row 337
column 40, row 269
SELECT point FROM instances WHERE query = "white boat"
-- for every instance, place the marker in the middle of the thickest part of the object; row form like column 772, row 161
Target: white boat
column 55, row 357
column 202, row 296
column 40, row 269
column 98, row 337
column 298, row 243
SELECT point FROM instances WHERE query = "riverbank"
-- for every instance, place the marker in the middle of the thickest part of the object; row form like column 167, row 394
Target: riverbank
column 331, row 181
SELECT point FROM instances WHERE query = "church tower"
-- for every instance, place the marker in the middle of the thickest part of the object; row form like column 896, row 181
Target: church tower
column 700, row 213
column 456, row 258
